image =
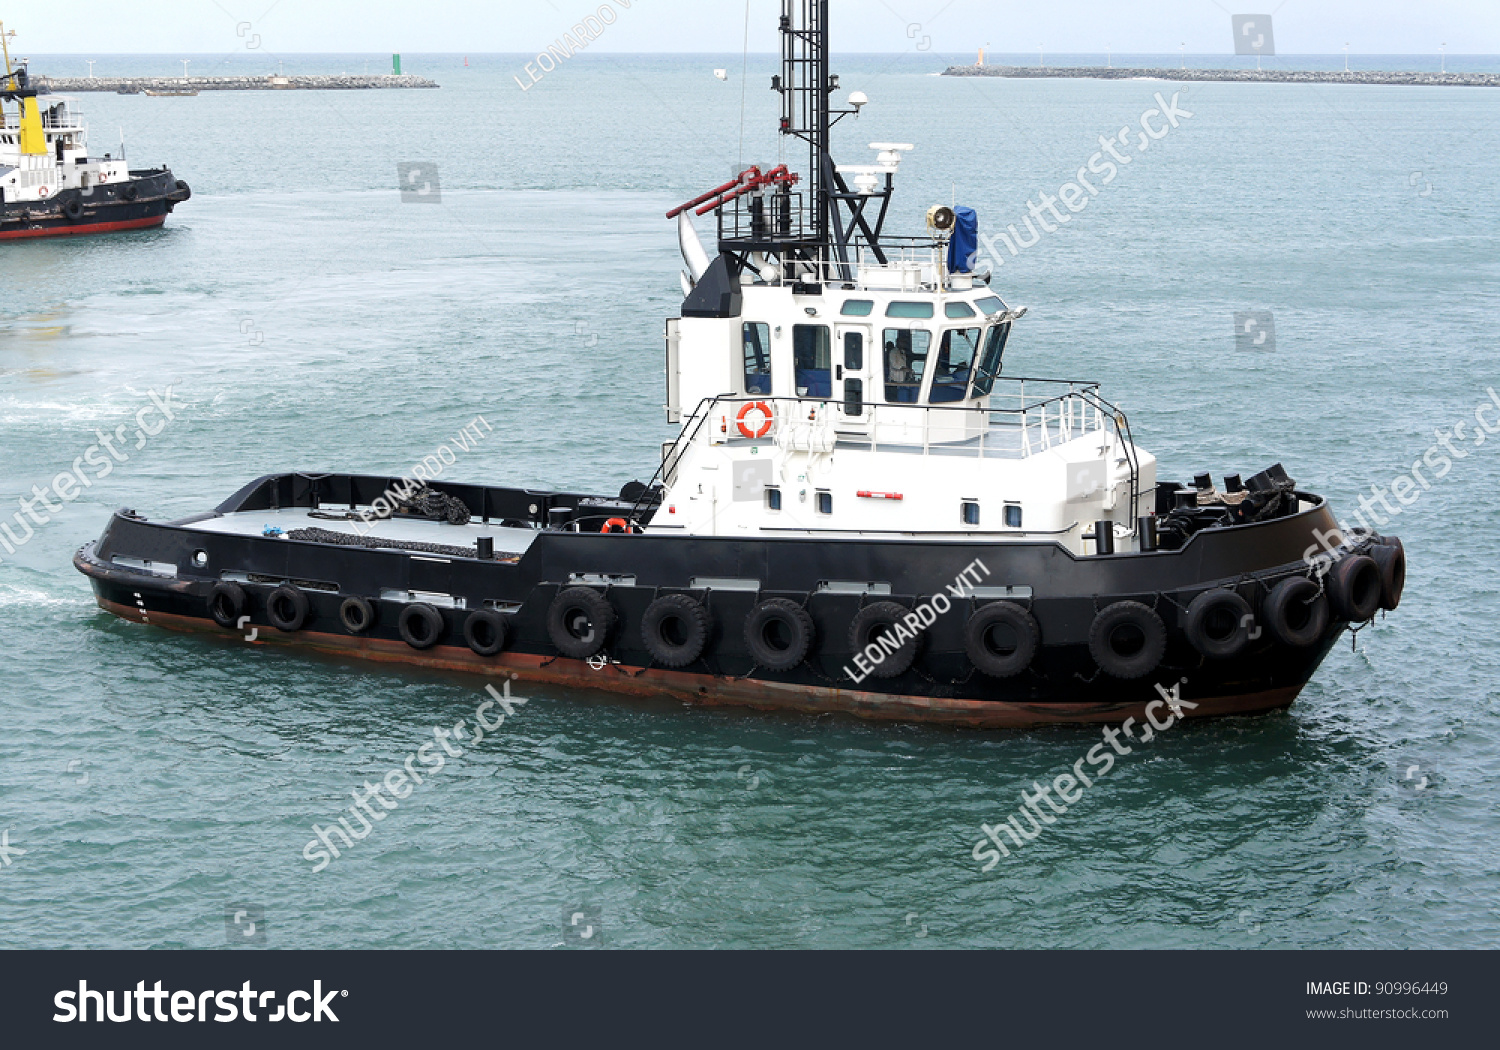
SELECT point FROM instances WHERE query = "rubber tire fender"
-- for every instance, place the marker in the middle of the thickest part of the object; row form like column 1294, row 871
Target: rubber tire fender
column 977, row 634
column 1206, row 612
column 287, row 608
column 798, row 625
column 1278, row 612
column 1354, row 588
column 694, row 620
column 563, row 614
column 227, row 602
column 129, row 192
column 865, row 627
column 73, row 210
column 421, row 626
column 1390, row 559
column 486, row 632
column 1103, row 631
column 357, row 614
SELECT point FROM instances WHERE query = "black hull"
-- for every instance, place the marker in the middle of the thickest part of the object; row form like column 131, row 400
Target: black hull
column 1062, row 684
column 143, row 201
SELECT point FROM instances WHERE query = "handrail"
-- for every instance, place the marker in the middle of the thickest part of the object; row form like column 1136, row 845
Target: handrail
column 672, row 456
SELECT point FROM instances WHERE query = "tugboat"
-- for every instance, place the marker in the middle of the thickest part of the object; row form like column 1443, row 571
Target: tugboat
column 860, row 513
column 51, row 187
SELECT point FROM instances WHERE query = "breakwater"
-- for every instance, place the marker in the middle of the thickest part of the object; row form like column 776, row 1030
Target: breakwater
column 1271, row 76
column 341, row 82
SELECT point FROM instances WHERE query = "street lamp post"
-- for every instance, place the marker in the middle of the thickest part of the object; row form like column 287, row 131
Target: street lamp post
column 185, row 62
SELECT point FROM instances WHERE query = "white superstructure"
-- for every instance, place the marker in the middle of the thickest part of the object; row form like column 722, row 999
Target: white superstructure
column 47, row 152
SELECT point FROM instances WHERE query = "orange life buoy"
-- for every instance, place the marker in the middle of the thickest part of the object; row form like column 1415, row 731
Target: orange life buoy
column 103, row 175
column 767, row 419
column 41, row 191
column 609, row 526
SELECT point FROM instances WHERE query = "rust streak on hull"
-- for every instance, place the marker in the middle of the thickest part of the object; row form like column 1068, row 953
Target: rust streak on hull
column 719, row 691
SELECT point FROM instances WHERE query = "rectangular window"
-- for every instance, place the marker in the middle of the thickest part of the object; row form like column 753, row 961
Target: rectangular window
column 955, row 360
column 990, row 363
column 825, row 501
column 905, row 361
column 958, row 309
column 854, row 351
column 857, row 307
column 757, row 358
column 923, row 310
column 773, row 498
column 968, row 511
column 813, row 360
column 854, row 397
column 1012, row 516
column 990, row 304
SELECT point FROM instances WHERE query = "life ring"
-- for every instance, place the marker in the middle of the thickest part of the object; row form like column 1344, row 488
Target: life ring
column 1127, row 640
column 226, row 604
column 1219, row 623
column 103, row 175
column 486, row 632
column 41, row 191
column 616, row 525
column 579, row 621
column 675, row 630
column 73, row 209
column 1390, row 559
column 420, row 625
column 357, row 615
column 1354, row 586
column 875, row 623
column 1296, row 613
column 287, row 608
column 1001, row 639
column 767, row 419
column 779, row 634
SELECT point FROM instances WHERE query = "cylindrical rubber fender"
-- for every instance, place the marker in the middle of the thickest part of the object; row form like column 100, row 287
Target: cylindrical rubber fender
column 1295, row 612
column 1219, row 623
column 1354, row 585
column 486, row 632
column 227, row 602
column 1001, row 639
column 1390, row 558
column 357, row 614
column 287, row 608
column 421, row 625
column 873, row 631
column 1127, row 640
column 779, row 634
column 675, row 629
column 73, row 209
column 579, row 621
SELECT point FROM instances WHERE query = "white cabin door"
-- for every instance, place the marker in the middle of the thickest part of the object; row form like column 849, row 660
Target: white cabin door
column 853, row 360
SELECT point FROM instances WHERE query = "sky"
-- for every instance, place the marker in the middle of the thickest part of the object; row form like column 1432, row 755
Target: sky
column 718, row 26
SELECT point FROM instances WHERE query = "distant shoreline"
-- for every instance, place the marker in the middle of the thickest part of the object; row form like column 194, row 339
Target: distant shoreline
column 1272, row 76
column 341, row 82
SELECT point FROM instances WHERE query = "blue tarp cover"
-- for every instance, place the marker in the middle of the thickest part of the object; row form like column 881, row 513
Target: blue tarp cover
column 963, row 247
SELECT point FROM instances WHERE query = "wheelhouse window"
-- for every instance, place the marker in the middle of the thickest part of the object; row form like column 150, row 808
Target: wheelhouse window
column 990, row 304
column 955, row 360
column 757, row 340
column 901, row 309
column 958, row 309
column 857, row 307
column 990, row 362
column 905, row 363
column 854, row 351
column 812, row 360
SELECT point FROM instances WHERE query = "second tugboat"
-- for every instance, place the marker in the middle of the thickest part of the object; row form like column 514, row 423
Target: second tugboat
column 859, row 514
column 51, row 187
